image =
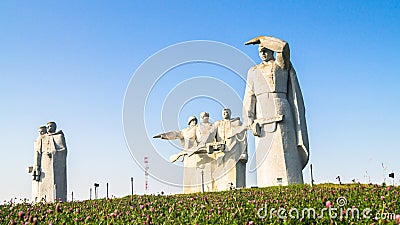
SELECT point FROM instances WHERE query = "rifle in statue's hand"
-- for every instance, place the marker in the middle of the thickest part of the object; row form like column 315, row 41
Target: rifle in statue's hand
column 175, row 157
column 207, row 148
column 257, row 125
column 36, row 174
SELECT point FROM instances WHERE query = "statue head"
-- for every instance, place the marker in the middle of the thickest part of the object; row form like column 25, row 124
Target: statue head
column 51, row 127
column 42, row 130
column 204, row 116
column 192, row 121
column 265, row 53
column 226, row 113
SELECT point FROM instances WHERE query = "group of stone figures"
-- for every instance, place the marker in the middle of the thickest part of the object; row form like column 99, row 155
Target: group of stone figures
column 49, row 170
column 273, row 110
column 218, row 150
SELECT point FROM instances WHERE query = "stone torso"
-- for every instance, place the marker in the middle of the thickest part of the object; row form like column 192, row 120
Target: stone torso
column 203, row 132
column 269, row 78
column 189, row 136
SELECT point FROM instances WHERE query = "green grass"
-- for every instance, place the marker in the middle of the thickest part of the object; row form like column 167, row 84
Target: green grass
column 229, row 207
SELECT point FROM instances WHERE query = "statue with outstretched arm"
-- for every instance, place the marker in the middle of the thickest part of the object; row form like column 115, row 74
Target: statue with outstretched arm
column 187, row 137
column 208, row 148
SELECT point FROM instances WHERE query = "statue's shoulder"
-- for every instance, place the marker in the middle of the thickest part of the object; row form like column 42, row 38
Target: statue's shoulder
column 253, row 68
column 218, row 122
column 236, row 121
column 57, row 134
column 60, row 132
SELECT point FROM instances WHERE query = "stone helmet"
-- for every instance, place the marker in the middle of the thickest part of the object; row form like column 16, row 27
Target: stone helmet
column 204, row 114
column 192, row 118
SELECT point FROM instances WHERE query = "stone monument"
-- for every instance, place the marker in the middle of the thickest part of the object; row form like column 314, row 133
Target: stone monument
column 274, row 109
column 214, row 155
column 205, row 134
column 49, row 169
column 187, row 137
column 230, row 169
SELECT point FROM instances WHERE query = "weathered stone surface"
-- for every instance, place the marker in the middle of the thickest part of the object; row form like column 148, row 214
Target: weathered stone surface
column 273, row 94
column 187, row 137
column 230, row 168
column 50, row 167
column 214, row 155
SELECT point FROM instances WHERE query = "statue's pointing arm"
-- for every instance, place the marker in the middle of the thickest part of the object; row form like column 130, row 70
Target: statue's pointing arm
column 171, row 135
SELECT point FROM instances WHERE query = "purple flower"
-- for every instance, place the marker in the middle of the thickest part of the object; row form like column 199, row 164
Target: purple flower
column 21, row 214
column 58, row 207
column 382, row 197
column 397, row 219
column 328, row 204
column 141, row 206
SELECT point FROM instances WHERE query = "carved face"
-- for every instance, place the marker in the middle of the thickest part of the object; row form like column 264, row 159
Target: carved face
column 226, row 114
column 193, row 123
column 51, row 127
column 204, row 117
column 42, row 130
column 265, row 54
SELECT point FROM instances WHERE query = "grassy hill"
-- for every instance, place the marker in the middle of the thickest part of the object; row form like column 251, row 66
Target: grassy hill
column 295, row 204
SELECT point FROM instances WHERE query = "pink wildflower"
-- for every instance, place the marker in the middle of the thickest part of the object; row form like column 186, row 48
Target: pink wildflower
column 21, row 214
column 397, row 219
column 328, row 204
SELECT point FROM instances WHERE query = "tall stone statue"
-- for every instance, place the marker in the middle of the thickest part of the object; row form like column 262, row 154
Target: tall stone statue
column 187, row 137
column 205, row 134
column 273, row 107
column 50, row 167
column 230, row 170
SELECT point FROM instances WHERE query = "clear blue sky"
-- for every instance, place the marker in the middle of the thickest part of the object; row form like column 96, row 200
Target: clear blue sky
column 71, row 62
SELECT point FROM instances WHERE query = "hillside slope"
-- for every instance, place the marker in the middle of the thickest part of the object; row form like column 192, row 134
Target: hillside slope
column 295, row 204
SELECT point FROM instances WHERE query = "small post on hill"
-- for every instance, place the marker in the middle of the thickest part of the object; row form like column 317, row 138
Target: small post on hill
column 311, row 176
column 107, row 190
column 131, row 185
column 391, row 175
